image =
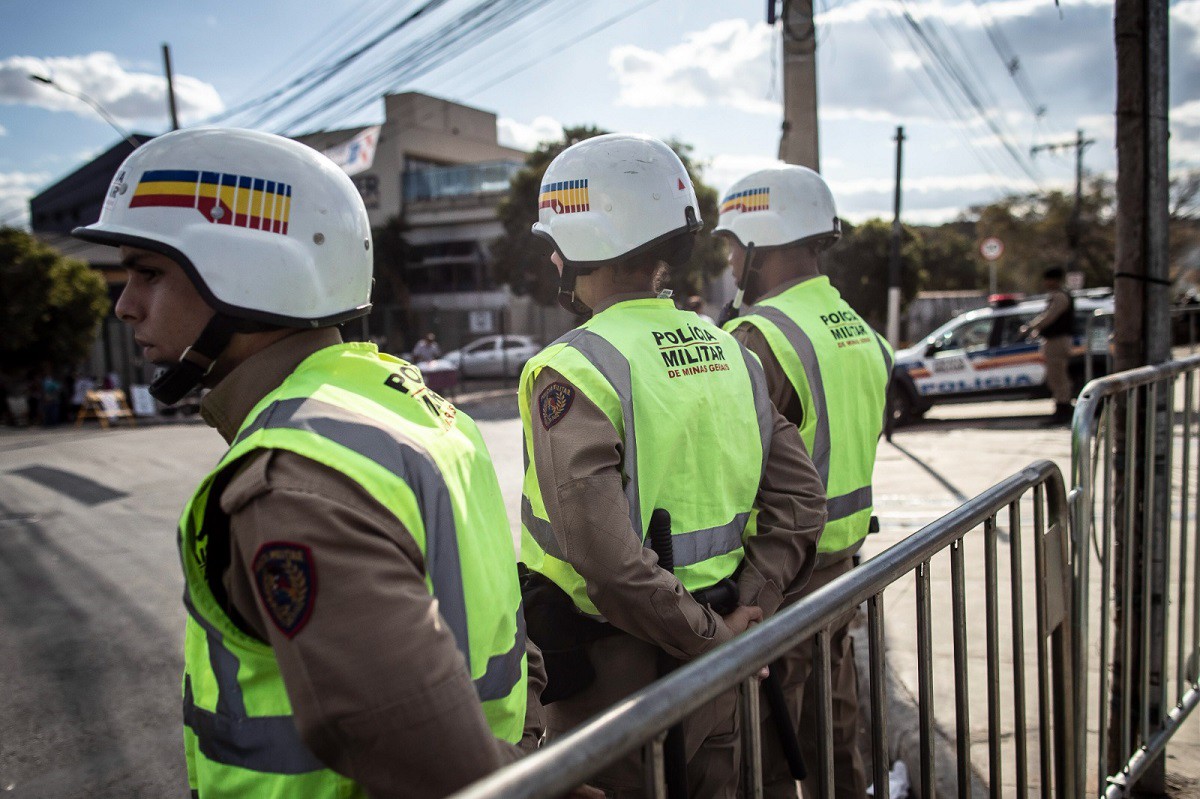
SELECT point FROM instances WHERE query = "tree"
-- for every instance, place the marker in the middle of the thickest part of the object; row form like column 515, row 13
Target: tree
column 50, row 306
column 858, row 266
column 1035, row 231
column 522, row 261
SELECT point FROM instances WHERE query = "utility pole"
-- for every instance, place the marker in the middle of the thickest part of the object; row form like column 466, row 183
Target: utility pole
column 1075, row 226
column 894, row 278
column 1141, row 336
column 166, row 51
column 799, row 142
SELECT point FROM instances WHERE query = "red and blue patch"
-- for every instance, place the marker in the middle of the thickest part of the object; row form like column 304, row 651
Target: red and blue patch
column 554, row 402
column 286, row 576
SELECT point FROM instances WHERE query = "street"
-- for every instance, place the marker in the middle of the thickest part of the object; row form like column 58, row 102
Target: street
column 90, row 586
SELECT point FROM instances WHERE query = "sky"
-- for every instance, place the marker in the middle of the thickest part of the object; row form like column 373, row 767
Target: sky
column 975, row 83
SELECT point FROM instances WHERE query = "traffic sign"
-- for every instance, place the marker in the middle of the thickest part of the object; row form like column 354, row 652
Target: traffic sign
column 991, row 248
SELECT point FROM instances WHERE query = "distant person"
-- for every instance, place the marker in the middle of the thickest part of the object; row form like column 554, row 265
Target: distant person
column 427, row 349
column 112, row 381
column 79, row 391
column 1056, row 327
column 51, row 394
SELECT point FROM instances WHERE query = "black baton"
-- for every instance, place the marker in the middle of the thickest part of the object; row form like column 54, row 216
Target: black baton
column 674, row 754
column 781, row 720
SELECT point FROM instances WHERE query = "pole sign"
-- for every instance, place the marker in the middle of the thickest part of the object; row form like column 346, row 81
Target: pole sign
column 991, row 248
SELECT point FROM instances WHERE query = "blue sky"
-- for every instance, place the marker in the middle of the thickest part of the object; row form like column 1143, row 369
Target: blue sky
column 704, row 71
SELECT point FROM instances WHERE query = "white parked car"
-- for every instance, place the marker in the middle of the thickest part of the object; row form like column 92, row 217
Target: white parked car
column 494, row 356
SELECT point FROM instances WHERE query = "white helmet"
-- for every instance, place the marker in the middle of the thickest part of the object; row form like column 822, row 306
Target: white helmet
column 779, row 206
column 268, row 229
column 613, row 196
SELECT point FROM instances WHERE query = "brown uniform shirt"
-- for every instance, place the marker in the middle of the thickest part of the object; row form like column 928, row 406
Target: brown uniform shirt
column 578, row 463
column 1056, row 306
column 379, row 689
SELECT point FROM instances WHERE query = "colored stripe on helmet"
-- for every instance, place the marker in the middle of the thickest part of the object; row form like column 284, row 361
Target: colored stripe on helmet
column 565, row 196
column 222, row 198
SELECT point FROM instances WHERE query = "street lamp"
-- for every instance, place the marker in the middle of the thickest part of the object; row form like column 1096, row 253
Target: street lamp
column 95, row 105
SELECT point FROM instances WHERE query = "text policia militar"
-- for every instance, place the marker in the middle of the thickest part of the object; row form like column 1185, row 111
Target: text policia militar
column 690, row 350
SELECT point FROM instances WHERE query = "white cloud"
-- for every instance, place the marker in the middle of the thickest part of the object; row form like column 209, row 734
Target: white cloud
column 15, row 190
column 511, row 133
column 130, row 97
column 932, row 184
column 3, row 131
column 727, row 63
column 723, row 170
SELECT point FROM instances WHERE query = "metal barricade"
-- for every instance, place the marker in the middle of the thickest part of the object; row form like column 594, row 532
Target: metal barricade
column 642, row 719
column 1103, row 405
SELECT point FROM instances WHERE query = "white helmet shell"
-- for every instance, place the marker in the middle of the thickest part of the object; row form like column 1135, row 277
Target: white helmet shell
column 267, row 229
column 779, row 206
column 612, row 196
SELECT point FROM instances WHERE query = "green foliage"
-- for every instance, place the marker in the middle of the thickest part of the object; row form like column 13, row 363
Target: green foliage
column 1037, row 231
column 50, row 306
column 523, row 262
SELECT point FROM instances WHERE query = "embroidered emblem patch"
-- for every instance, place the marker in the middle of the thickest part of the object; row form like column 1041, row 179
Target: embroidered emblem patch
column 554, row 403
column 286, row 576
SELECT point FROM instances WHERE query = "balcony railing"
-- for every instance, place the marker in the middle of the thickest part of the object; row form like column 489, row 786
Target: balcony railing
column 466, row 180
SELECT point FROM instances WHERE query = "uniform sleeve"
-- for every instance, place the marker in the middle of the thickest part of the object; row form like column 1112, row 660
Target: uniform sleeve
column 791, row 498
column 1054, row 309
column 578, row 463
column 791, row 516
column 378, row 687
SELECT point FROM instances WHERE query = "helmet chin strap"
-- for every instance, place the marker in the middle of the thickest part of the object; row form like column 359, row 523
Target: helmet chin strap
column 176, row 380
column 734, row 307
column 566, row 292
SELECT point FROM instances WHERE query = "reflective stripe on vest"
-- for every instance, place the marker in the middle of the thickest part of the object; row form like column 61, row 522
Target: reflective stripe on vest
column 860, row 499
column 390, row 450
column 688, row 548
column 259, row 743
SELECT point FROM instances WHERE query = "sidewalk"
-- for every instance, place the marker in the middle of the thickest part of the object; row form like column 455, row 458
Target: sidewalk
column 930, row 469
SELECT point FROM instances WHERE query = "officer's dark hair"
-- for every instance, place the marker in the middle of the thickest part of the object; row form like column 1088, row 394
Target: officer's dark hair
column 654, row 264
column 1054, row 273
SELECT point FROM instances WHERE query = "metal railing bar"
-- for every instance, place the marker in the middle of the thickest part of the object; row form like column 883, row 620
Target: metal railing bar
column 1142, row 759
column 1105, row 598
column 656, row 774
column 1131, row 451
column 621, row 729
column 821, row 658
column 925, row 679
column 1043, row 666
column 995, row 772
column 1196, row 551
column 1018, row 633
column 880, row 758
column 1169, row 476
column 1147, row 552
column 1184, row 485
column 962, row 698
column 752, row 777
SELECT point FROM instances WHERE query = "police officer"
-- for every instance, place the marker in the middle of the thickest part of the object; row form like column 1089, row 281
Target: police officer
column 646, row 407
column 827, row 371
column 1055, row 326
column 354, row 624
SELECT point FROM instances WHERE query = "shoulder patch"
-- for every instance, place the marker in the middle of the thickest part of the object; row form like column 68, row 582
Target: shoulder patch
column 286, row 577
column 554, row 402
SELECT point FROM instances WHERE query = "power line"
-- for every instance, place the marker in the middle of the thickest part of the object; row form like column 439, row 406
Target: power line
column 950, row 67
column 555, row 51
column 1012, row 64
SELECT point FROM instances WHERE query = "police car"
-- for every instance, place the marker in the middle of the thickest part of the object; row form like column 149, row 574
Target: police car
column 982, row 356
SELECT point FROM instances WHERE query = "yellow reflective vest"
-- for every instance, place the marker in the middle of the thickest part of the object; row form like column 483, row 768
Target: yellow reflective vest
column 370, row 417
column 839, row 368
column 691, row 408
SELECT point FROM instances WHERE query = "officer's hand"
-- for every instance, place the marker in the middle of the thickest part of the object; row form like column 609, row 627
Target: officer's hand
column 585, row 792
column 740, row 619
